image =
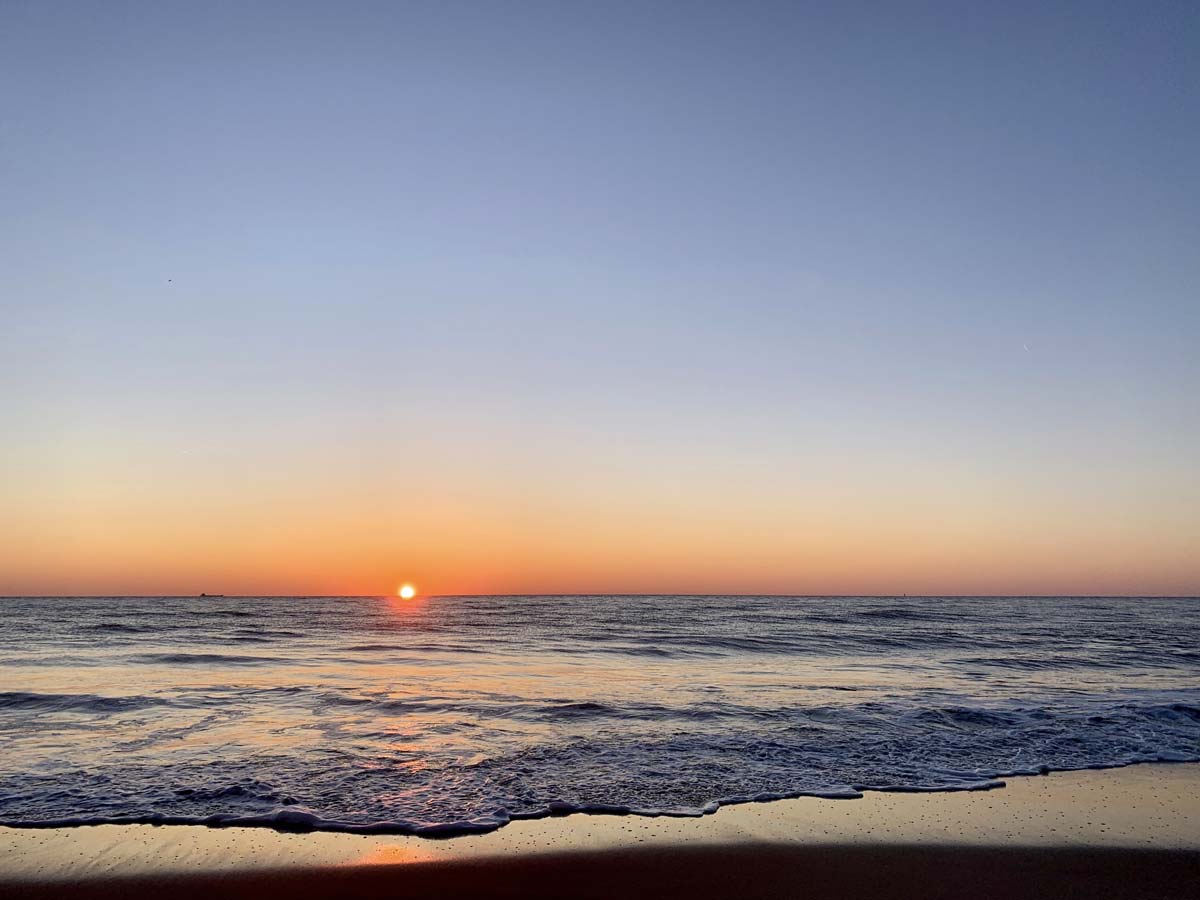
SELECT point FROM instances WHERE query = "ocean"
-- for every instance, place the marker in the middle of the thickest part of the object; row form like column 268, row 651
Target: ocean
column 446, row 715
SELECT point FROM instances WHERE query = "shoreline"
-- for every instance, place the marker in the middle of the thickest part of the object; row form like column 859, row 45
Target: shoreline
column 299, row 822
column 1126, row 823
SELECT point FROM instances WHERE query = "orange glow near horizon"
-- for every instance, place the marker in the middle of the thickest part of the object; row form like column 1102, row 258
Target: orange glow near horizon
column 406, row 592
column 643, row 525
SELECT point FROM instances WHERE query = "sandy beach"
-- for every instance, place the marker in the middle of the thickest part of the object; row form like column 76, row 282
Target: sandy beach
column 1132, row 832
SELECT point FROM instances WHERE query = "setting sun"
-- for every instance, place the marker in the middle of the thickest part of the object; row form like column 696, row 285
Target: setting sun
column 407, row 591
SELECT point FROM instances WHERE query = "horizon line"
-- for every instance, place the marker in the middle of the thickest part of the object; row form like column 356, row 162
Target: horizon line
column 900, row 596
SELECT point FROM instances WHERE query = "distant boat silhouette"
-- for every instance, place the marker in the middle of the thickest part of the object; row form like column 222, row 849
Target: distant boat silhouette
column 212, row 595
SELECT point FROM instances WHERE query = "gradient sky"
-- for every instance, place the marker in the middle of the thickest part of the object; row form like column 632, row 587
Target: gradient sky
column 565, row 297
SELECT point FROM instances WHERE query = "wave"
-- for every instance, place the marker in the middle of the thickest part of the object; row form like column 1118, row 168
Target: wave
column 647, row 650
column 256, row 636
column 119, row 628
column 894, row 613
column 205, row 659
column 577, row 710
column 966, row 717
column 27, row 701
column 424, row 647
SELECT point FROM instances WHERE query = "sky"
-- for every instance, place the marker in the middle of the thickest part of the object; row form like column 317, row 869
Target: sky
column 320, row 298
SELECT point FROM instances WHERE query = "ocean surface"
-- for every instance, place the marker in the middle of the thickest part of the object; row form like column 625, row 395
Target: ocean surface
column 445, row 715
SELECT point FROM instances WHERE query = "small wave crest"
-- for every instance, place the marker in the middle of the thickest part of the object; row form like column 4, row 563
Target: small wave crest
column 118, row 628
column 205, row 659
column 26, row 701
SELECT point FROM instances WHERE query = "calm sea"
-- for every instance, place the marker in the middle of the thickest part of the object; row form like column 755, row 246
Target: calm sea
column 461, row 713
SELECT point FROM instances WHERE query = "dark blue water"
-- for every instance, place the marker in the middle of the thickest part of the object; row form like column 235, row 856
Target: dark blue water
column 454, row 714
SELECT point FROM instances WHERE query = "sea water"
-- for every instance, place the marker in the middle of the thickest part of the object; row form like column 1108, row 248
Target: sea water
column 451, row 714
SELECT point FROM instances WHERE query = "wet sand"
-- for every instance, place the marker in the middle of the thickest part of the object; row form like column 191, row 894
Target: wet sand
column 1132, row 832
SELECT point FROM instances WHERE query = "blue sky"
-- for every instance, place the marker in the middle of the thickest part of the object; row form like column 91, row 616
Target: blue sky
column 729, row 251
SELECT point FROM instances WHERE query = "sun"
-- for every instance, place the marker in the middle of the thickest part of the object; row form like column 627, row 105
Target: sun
column 407, row 591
